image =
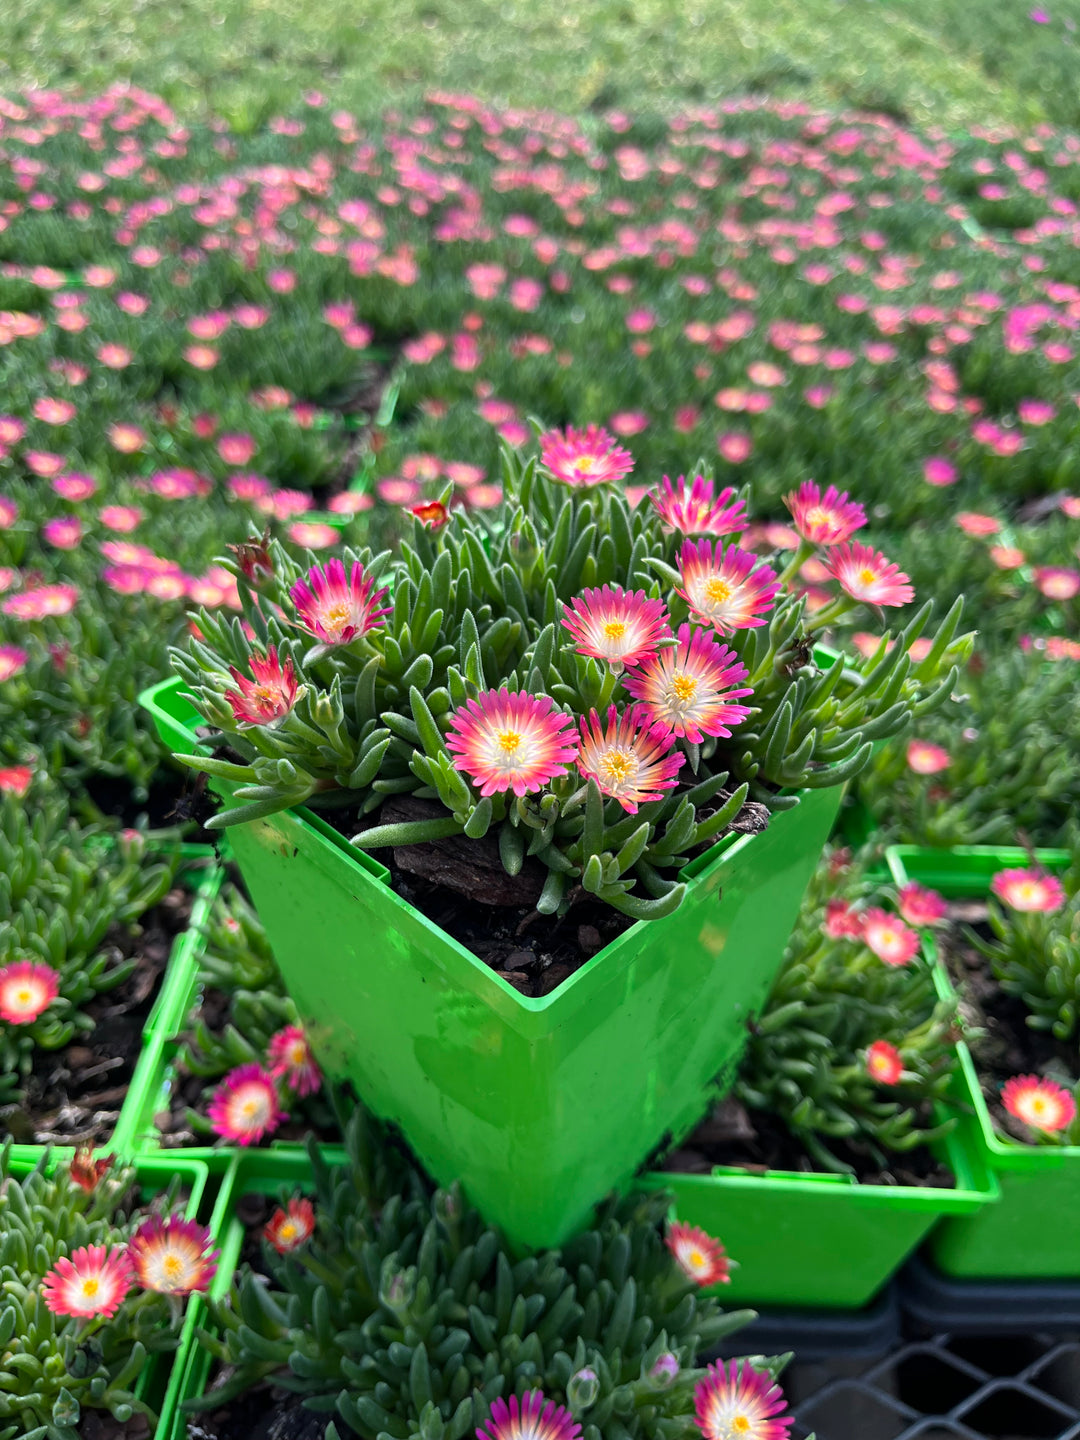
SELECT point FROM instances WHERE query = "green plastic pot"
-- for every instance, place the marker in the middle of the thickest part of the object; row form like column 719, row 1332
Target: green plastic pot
column 823, row 1241
column 265, row 1172
column 1028, row 1234
column 161, row 1383
column 539, row 1106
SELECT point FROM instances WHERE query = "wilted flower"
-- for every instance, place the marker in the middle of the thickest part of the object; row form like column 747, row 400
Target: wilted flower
column 619, row 626
column 246, row 1105
column 698, row 1255
column 288, row 1229
column 93, row 1282
column 254, row 560
column 1039, row 1103
column 736, row 1402
column 632, row 760
column 689, row 688
column 173, row 1256
column 511, row 740
column 728, row 589
column 86, row 1172
column 583, row 458
column 1028, row 890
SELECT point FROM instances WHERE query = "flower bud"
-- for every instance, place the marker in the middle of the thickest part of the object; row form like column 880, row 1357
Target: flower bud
column 131, row 845
column 663, row 1372
column 253, row 560
column 398, row 1289
column 583, row 1388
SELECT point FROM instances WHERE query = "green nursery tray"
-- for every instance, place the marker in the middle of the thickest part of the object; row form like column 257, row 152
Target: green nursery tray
column 539, row 1106
column 160, row 1384
column 824, row 1241
column 1029, row 1234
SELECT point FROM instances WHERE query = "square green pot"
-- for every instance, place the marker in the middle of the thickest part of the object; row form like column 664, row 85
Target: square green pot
column 539, row 1106
column 823, row 1241
column 161, row 1383
column 1028, row 1234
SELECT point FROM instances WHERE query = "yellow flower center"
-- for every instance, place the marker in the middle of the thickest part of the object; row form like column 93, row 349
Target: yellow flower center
column 585, row 464
column 338, row 616
column 24, row 996
column 1038, row 1105
column 867, row 576
column 614, row 630
column 173, row 1267
column 288, row 1231
column 508, row 742
column 252, row 1109
column 684, row 687
column 717, row 591
column 298, row 1053
column 697, row 1260
column 90, row 1287
column 817, row 516
column 617, row 765
column 740, row 1425
column 1026, row 890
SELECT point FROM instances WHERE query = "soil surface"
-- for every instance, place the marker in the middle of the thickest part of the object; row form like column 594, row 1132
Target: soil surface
column 1008, row 1045
column 74, row 1095
column 100, row 1425
column 757, row 1141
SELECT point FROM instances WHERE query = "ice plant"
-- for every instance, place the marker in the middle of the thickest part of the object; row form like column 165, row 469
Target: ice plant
column 632, row 759
column 91, row 1283
column 337, row 608
column 925, row 758
column 1028, row 891
column 288, row 1229
column 883, row 1062
column 736, row 1402
column 692, row 688
column 13, row 659
column 1040, row 1104
column 271, row 694
column 727, row 589
column 867, row 577
column 511, row 740
column 623, row 628
column 172, row 1256
column 27, row 989
column 246, row 1106
column 289, row 1058
column 888, row 937
column 531, row 1418
column 825, row 519
column 921, row 906
column 584, row 458
column 700, row 1257
column 697, row 510
column 431, row 513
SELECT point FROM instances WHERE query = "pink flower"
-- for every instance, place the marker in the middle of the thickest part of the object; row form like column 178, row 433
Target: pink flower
column 432, row 514
column 1057, row 582
column 927, row 759
column 54, row 412
column 734, row 446
column 246, row 1105
column 63, row 531
column 269, row 696
column 313, row 534
column 288, row 1229
column 236, row 449
column 1028, row 891
column 1040, row 1104
column 698, row 511
column 866, row 575
column 583, row 458
column 75, row 487
column 337, row 610
column 920, row 906
column 12, row 661
column 939, row 471
column 9, row 513
column 619, row 626
column 888, row 937
column 27, row 989
column 735, row 1400
column 632, row 760
column 531, row 1418
column 824, row 520
column 172, row 1256
column 127, row 438
column 727, row 589
column 44, row 600
column 698, row 1255
column 93, row 1282
column 841, row 920
column 121, row 518
column 688, row 688
column 511, row 740
column 290, row 1059
column 973, row 523
column 883, row 1063
column 1036, row 412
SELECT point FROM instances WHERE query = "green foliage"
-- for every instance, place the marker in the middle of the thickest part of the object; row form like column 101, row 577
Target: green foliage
column 478, row 603
column 55, row 1367
column 806, row 1058
column 408, row 1317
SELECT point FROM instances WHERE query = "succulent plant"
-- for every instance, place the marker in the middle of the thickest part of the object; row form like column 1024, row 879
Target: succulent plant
column 400, row 1311
column 851, row 1047
column 337, row 698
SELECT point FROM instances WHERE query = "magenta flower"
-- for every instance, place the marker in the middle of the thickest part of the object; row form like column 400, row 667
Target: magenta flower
column 172, row 1256
column 1057, row 582
column 620, row 626
column 27, row 989
column 12, row 661
column 246, row 1105
column 866, row 575
column 824, row 519
column 697, row 510
column 736, row 1402
column 688, row 688
column 727, row 589
column 893, row 942
column 920, row 906
column 38, row 603
column 584, row 458
column 699, row 1257
column 334, row 609
column 93, row 1282
column 1040, row 1104
column 926, row 758
column 632, row 760
column 1028, row 891
column 269, row 696
column 531, row 1418
column 290, row 1059
column 511, row 740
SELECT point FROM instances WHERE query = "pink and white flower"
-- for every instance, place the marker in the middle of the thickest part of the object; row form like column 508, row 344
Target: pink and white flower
column 697, row 510
column 336, row 609
column 920, row 906
column 692, row 688
column 93, row 1282
column 246, row 1105
column 620, row 626
column 736, row 1402
column 269, row 696
column 700, row 1257
column 1028, row 891
column 1041, row 1104
column 632, row 760
column 824, row 519
column 173, row 1256
column 43, row 601
column 12, row 660
column 893, row 942
column 511, row 740
column 727, row 589
column 926, row 758
column 290, row 1059
column 866, row 575
column 530, row 1418
column 584, row 458
column 27, row 989
column 288, row 1229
